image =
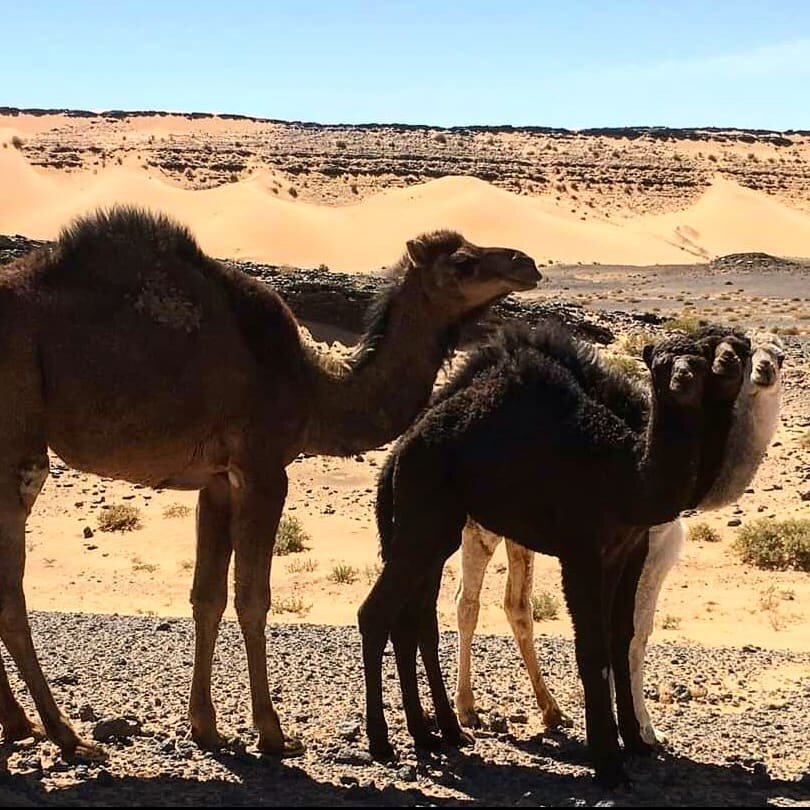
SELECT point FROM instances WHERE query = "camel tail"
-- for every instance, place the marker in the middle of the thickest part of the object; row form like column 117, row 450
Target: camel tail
column 385, row 507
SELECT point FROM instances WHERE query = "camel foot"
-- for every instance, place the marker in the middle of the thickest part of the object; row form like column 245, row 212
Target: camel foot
column 458, row 739
column 285, row 748
column 469, row 718
column 383, row 751
column 428, row 742
column 612, row 776
column 209, row 741
column 83, row 752
column 25, row 729
column 638, row 747
column 557, row 718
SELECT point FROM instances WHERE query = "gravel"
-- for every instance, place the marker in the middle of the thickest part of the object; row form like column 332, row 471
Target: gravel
column 730, row 744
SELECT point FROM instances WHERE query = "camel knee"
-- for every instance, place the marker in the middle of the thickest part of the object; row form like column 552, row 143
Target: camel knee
column 208, row 606
column 518, row 612
column 32, row 476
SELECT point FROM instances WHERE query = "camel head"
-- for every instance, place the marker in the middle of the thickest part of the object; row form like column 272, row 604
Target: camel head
column 679, row 370
column 729, row 352
column 461, row 276
column 766, row 363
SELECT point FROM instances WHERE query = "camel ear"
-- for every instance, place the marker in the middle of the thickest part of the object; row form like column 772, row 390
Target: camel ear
column 418, row 252
column 647, row 354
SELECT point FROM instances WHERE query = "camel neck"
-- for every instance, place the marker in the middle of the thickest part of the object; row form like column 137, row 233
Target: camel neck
column 669, row 462
column 390, row 380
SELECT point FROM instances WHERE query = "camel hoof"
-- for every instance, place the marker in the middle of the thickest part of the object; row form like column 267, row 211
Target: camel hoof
column 460, row 739
column 557, row 719
column 288, row 748
column 210, row 742
column 469, row 719
column 83, row 751
column 383, row 752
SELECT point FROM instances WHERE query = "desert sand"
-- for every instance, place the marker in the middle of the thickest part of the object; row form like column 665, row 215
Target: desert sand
column 725, row 197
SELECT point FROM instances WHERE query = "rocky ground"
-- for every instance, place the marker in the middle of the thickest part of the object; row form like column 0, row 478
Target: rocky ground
column 726, row 746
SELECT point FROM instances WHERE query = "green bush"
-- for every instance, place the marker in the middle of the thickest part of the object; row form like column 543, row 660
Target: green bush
column 703, row 533
column 545, row 606
column 119, row 517
column 779, row 545
column 290, row 537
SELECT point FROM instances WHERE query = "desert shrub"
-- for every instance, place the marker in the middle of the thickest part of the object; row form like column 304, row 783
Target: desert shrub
column 670, row 622
column 119, row 517
column 545, row 606
column 290, row 604
column 17, row 142
column 176, row 510
column 306, row 566
column 343, row 574
column 291, row 536
column 293, row 192
column 683, row 323
column 703, row 533
column 633, row 343
column 440, row 137
column 779, row 545
column 625, row 365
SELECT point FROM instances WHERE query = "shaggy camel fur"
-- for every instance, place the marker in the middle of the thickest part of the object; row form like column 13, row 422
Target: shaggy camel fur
column 134, row 355
column 530, row 410
column 755, row 417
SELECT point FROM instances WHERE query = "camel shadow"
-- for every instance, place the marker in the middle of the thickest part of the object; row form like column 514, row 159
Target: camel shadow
column 444, row 778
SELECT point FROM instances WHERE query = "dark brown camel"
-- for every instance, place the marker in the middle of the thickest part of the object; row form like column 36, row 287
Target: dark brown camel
column 565, row 475
column 135, row 356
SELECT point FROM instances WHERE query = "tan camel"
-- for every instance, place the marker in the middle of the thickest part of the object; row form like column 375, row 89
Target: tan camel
column 756, row 416
column 135, row 356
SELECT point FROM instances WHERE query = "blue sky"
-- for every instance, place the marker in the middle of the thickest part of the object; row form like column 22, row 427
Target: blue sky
column 577, row 63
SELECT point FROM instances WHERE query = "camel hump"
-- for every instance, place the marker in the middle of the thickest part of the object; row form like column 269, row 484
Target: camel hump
column 130, row 230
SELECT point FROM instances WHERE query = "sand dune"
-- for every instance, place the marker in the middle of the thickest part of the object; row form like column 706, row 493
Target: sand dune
column 244, row 219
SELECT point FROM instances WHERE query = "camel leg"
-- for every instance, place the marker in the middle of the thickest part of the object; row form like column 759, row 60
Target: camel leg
column 621, row 637
column 376, row 618
column 209, row 596
column 518, row 608
column 405, row 638
column 429, row 647
column 665, row 545
column 256, row 505
column 584, row 586
column 17, row 495
column 477, row 548
column 14, row 721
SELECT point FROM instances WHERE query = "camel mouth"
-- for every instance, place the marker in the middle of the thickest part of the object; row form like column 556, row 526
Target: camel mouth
column 726, row 366
column 521, row 284
column 763, row 379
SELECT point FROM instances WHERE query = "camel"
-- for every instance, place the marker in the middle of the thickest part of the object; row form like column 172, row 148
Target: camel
column 133, row 355
column 534, row 419
column 754, row 421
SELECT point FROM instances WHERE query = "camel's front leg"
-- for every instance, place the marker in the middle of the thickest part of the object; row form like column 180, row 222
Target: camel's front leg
column 665, row 545
column 256, row 502
column 16, row 632
column 518, row 607
column 209, row 596
column 14, row 721
column 477, row 548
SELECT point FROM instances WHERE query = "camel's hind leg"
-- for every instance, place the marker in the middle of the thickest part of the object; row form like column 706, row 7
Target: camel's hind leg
column 21, row 478
column 429, row 647
column 209, row 596
column 518, row 607
column 477, row 547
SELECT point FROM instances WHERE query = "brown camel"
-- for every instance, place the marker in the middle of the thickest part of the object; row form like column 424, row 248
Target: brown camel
column 133, row 355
